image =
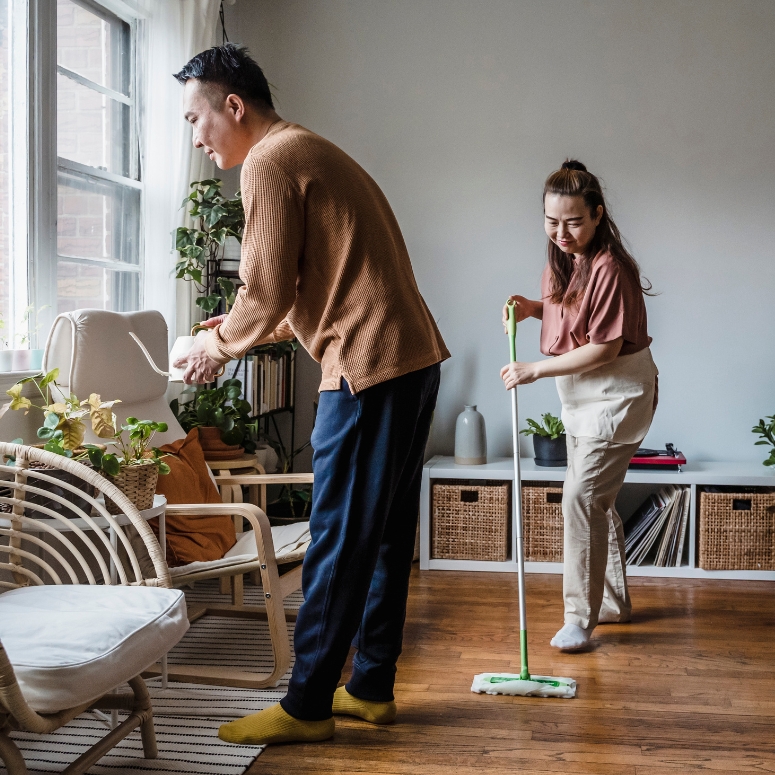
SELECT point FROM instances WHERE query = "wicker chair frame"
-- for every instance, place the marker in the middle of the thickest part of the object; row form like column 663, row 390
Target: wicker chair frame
column 92, row 559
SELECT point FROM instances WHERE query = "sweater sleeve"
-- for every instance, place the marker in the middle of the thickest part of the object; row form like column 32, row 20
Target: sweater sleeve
column 272, row 244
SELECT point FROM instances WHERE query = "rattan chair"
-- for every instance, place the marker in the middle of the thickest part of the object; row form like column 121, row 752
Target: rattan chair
column 95, row 354
column 109, row 613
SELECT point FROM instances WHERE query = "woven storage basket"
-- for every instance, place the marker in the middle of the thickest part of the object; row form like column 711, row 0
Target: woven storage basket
column 471, row 520
column 138, row 483
column 542, row 522
column 737, row 531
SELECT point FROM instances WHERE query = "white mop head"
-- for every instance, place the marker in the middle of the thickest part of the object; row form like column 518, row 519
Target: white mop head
column 511, row 683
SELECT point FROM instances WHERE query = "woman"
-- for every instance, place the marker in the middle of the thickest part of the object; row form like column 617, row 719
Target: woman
column 593, row 323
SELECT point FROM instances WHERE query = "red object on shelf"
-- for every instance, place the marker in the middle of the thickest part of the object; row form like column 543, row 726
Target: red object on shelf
column 656, row 462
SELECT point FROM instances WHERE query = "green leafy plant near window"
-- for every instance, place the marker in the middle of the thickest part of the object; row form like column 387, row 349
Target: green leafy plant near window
column 550, row 427
column 201, row 247
column 767, row 432
column 222, row 408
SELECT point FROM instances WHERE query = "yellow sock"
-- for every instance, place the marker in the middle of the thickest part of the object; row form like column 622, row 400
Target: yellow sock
column 274, row 725
column 373, row 712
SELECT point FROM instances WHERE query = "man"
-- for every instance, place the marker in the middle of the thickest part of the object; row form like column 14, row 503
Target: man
column 323, row 259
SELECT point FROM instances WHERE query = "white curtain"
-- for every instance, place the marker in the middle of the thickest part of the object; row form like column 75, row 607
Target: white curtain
column 175, row 31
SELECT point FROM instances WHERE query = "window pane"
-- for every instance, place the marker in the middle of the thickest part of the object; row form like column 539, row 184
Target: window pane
column 81, row 286
column 93, row 44
column 97, row 219
column 92, row 128
column 5, row 169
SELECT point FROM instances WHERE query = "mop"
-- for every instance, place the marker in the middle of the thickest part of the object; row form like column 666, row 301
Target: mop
column 524, row 683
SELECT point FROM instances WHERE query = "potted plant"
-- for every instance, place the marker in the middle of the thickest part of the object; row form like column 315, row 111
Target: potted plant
column 62, row 433
column 64, row 429
column 222, row 416
column 767, row 432
column 136, row 467
column 202, row 247
column 23, row 358
column 548, row 440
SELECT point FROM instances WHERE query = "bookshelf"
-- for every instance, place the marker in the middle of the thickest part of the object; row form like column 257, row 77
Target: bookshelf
column 637, row 486
column 269, row 384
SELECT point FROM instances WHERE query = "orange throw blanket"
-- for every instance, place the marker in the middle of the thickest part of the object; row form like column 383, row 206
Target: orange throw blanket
column 189, row 538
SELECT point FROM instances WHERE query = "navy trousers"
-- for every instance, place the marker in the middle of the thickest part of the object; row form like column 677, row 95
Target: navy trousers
column 368, row 457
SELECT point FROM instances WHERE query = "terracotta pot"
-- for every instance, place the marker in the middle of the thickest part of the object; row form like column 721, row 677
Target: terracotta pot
column 213, row 447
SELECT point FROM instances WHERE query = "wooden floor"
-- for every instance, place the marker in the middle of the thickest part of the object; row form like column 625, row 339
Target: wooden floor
column 688, row 686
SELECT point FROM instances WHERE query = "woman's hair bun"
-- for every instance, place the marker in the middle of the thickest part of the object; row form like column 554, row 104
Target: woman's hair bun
column 572, row 164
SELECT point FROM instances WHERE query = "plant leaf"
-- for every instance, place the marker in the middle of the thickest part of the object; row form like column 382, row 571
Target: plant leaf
column 103, row 422
column 73, row 432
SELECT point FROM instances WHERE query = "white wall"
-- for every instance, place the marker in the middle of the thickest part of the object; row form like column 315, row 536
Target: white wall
column 460, row 109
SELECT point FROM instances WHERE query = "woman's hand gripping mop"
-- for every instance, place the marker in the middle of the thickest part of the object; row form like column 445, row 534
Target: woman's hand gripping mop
column 524, row 683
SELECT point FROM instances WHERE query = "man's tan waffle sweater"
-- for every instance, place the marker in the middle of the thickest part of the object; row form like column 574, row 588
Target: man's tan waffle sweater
column 323, row 259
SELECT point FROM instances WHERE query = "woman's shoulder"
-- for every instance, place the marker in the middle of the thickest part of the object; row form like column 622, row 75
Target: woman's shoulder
column 608, row 272
column 605, row 263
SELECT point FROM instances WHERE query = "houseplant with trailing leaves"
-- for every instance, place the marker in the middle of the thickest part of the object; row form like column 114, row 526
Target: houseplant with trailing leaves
column 201, row 247
column 136, row 465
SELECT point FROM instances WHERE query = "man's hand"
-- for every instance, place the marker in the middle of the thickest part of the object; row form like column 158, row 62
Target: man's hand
column 213, row 322
column 200, row 367
column 519, row 374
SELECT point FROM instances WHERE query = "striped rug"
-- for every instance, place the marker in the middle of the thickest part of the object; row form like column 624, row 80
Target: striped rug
column 186, row 716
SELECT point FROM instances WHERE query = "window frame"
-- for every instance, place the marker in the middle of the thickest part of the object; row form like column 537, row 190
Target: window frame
column 43, row 163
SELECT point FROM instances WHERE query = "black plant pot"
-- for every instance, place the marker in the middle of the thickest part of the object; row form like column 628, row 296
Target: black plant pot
column 71, row 497
column 551, row 453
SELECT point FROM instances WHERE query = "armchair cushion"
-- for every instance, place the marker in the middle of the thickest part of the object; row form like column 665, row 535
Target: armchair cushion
column 290, row 544
column 72, row 644
column 192, row 539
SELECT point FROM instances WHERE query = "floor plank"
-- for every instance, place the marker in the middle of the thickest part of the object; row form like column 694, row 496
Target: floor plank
column 688, row 686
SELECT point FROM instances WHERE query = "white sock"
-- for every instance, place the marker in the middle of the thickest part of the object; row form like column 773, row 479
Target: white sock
column 571, row 637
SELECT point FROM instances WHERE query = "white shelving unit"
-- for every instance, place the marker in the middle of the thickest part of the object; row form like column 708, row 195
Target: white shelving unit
column 693, row 475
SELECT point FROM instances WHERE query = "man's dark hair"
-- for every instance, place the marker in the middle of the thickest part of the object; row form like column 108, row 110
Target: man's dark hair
column 229, row 69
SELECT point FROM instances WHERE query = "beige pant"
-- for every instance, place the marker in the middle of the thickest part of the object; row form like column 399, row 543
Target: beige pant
column 594, row 577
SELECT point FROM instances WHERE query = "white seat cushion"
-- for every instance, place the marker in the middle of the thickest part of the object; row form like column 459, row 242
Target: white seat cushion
column 72, row 644
column 290, row 544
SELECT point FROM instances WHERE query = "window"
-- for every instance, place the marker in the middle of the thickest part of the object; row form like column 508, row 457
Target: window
column 98, row 179
column 13, row 174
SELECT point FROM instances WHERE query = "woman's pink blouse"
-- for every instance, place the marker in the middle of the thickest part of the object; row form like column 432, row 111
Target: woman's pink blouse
column 612, row 306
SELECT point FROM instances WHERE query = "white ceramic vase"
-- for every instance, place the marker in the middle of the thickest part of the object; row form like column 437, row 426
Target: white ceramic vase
column 470, row 438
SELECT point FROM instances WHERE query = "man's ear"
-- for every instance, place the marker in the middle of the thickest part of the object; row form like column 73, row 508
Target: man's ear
column 236, row 106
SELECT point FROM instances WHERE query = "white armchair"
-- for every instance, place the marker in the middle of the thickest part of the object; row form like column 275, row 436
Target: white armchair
column 79, row 618
column 94, row 352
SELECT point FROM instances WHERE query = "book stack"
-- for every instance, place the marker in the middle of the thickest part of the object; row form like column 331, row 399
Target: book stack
column 657, row 530
column 267, row 382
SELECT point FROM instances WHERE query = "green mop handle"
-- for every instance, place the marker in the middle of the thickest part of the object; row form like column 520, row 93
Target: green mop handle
column 512, row 331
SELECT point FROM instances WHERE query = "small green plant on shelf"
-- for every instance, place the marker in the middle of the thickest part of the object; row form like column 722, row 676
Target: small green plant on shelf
column 30, row 324
column 222, row 408
column 201, row 247
column 550, row 427
column 767, row 431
